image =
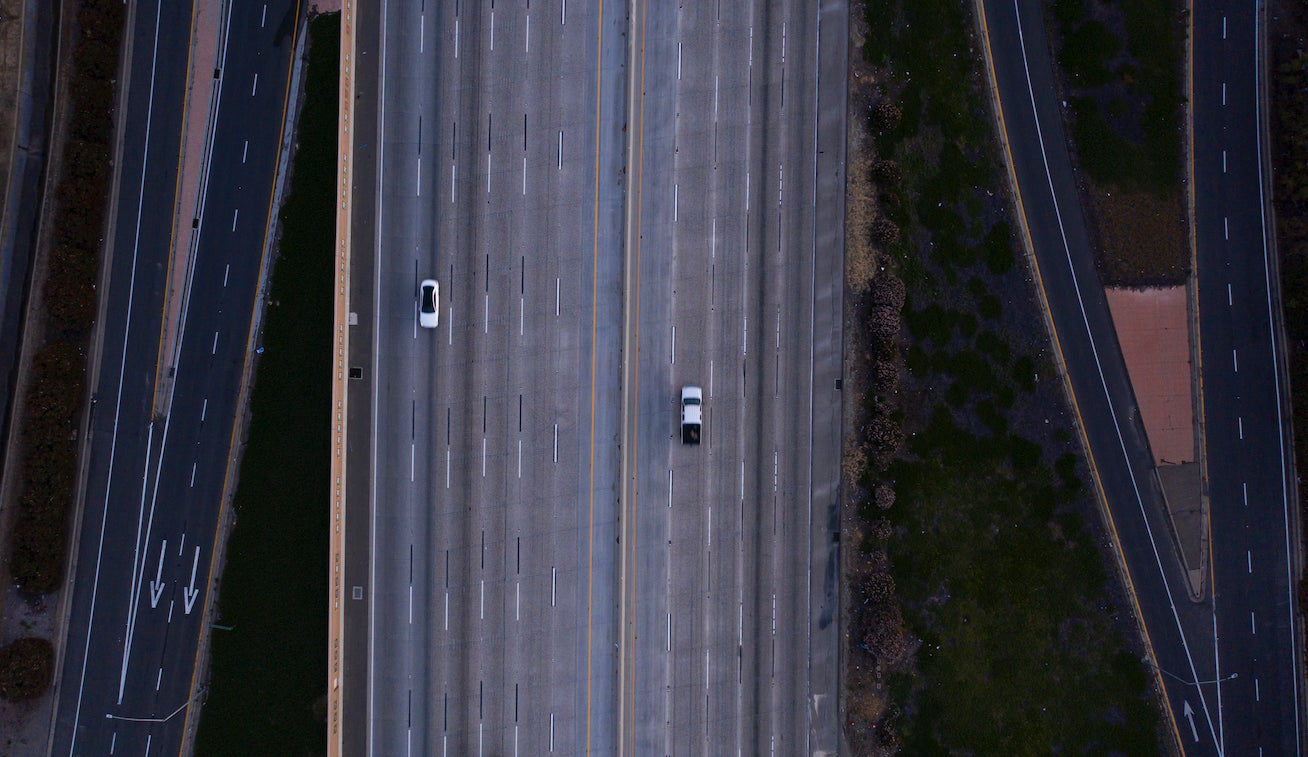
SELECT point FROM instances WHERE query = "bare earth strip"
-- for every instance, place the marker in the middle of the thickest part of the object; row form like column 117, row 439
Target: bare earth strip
column 1153, row 328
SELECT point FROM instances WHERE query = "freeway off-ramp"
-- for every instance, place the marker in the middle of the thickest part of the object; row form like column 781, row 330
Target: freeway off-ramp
column 592, row 182
column 1229, row 665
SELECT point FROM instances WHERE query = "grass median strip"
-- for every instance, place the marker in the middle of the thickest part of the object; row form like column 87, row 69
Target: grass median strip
column 268, row 675
column 983, row 618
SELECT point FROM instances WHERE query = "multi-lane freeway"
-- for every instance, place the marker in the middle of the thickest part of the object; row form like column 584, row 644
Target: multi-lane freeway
column 616, row 198
column 162, row 428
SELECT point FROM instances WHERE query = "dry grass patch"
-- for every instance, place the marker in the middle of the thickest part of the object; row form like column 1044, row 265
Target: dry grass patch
column 1141, row 239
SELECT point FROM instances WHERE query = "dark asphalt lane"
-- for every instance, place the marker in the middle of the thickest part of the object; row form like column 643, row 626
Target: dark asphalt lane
column 1250, row 479
column 152, row 516
column 1178, row 631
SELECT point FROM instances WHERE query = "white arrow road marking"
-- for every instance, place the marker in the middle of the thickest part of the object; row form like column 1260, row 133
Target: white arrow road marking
column 1189, row 715
column 156, row 586
column 190, row 593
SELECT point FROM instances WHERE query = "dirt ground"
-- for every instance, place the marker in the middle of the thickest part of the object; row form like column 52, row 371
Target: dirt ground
column 1153, row 328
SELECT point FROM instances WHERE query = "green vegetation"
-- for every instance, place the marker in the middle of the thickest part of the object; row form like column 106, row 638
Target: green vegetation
column 1125, row 95
column 26, row 665
column 38, row 541
column 1289, row 124
column 269, row 673
column 983, row 619
column 1123, row 91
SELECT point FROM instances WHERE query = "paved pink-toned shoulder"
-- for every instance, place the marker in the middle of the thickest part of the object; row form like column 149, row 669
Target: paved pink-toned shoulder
column 1153, row 328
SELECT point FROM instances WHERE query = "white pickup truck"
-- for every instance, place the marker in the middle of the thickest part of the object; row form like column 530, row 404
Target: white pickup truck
column 692, row 398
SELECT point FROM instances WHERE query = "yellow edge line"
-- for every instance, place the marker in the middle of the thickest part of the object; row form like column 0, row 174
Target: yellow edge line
column 594, row 317
column 236, row 424
column 1067, row 383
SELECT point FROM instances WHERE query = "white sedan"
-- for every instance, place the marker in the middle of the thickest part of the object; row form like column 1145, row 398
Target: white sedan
column 429, row 302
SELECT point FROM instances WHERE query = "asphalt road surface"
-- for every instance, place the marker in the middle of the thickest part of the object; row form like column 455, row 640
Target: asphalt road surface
column 737, row 197
column 1250, row 475
column 495, row 440
column 1227, row 664
column 155, row 484
column 494, row 470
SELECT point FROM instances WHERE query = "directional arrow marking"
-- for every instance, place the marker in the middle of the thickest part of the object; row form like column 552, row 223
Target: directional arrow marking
column 190, row 593
column 157, row 586
column 1189, row 715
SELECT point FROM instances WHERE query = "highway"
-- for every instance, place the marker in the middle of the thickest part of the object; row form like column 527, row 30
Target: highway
column 523, row 595
column 1250, row 474
column 493, row 470
column 736, row 252
column 1227, row 665
column 156, row 482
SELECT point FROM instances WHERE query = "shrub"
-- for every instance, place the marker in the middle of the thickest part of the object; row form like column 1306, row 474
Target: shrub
column 25, row 668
